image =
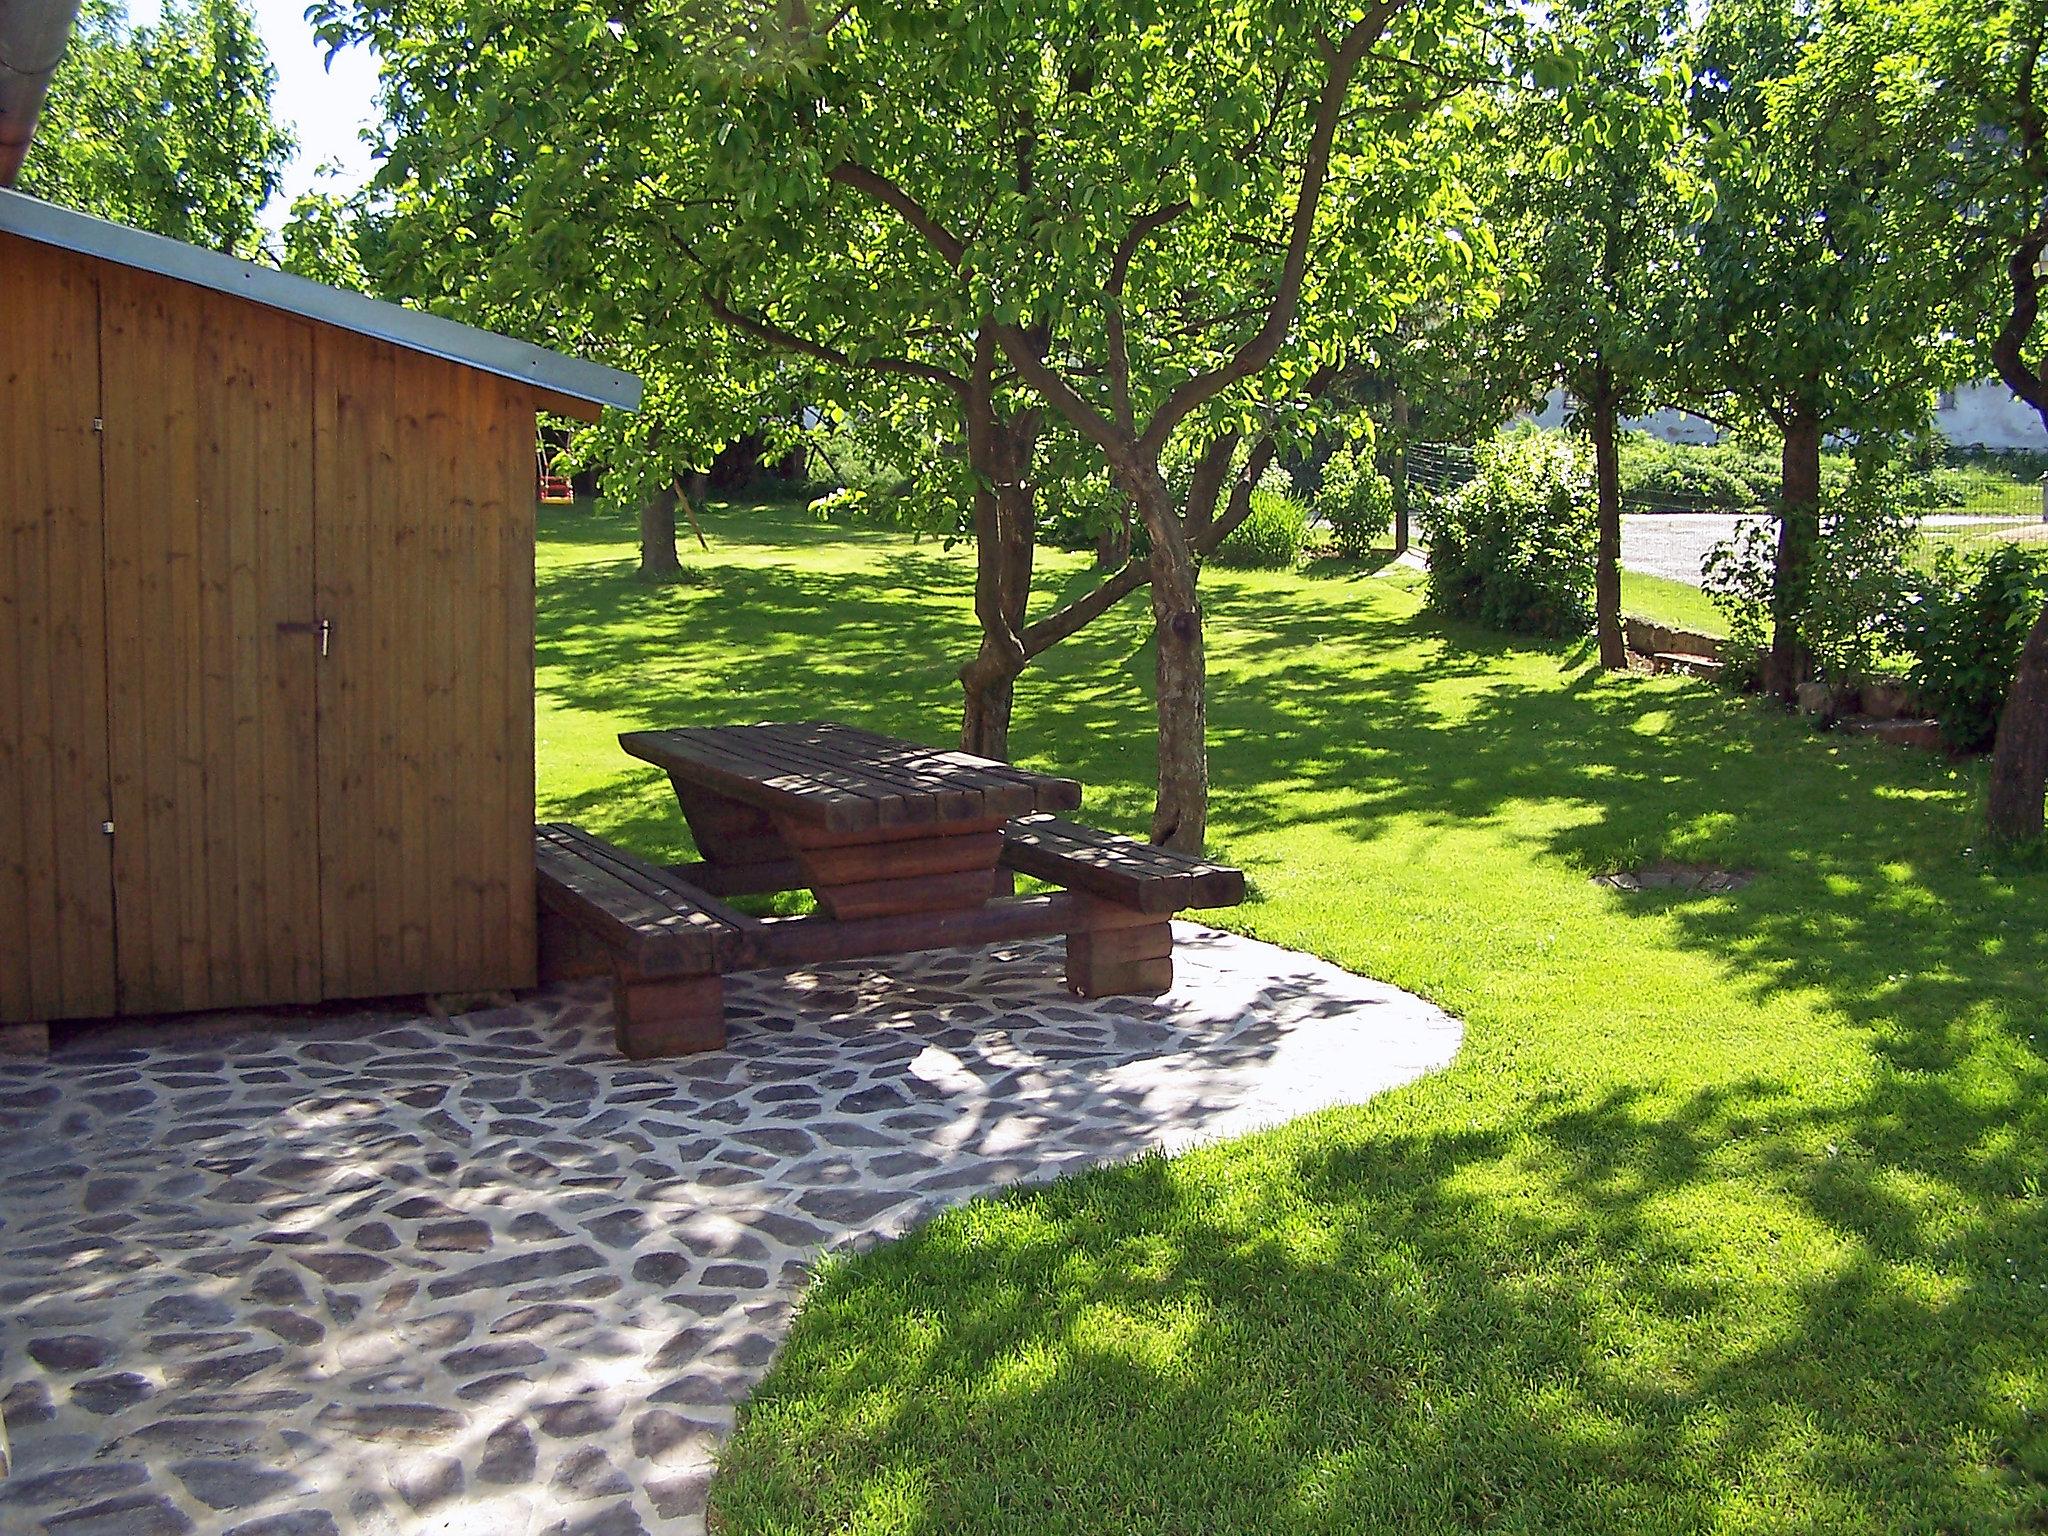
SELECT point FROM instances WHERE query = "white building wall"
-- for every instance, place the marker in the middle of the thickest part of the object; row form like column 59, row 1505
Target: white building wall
column 1988, row 415
column 1671, row 425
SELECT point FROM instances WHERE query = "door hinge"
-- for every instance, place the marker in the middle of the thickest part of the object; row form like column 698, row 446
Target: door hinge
column 107, row 827
column 99, row 424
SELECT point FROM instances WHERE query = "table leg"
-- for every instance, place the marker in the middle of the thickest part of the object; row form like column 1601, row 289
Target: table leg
column 742, row 849
column 898, row 871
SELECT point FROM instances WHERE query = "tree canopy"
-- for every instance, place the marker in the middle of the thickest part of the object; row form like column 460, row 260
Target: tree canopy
column 1164, row 230
column 1154, row 248
column 165, row 127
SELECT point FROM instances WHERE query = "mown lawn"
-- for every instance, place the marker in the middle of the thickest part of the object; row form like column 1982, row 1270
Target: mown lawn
column 1663, row 601
column 1731, row 1216
column 1979, row 538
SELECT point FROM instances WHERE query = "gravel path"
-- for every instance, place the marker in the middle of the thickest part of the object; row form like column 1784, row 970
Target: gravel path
column 1672, row 545
column 407, row 1274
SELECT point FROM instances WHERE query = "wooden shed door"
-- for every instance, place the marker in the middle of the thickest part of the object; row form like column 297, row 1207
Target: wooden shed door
column 56, row 885
column 209, row 558
column 426, row 704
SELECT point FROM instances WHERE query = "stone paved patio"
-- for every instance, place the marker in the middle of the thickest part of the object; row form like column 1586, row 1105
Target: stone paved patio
column 480, row 1275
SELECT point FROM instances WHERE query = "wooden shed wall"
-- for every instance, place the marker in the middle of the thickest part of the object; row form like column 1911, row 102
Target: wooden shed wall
column 288, row 825
column 56, row 882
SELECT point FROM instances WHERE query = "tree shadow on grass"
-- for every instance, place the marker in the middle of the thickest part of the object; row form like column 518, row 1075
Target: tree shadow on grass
column 1349, row 1325
column 1801, row 1294
column 1354, row 717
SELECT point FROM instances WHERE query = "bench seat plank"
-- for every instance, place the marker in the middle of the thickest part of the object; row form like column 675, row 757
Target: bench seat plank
column 648, row 917
column 1117, row 869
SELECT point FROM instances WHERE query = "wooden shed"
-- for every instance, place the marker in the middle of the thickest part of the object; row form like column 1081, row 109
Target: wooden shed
column 266, row 632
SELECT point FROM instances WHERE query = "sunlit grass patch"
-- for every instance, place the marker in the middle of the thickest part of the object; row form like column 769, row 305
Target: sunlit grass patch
column 1729, row 1217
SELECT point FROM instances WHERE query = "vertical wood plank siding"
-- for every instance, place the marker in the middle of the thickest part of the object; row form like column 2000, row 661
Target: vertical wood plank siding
column 426, row 704
column 56, row 882
column 210, row 532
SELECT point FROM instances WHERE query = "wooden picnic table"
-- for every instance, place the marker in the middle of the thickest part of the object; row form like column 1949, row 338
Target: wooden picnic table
column 904, row 847
column 873, row 826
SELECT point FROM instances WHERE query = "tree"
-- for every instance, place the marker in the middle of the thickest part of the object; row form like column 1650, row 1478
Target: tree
column 1158, row 227
column 1593, row 211
column 2015, row 66
column 1811, row 310
column 657, row 458
column 1956, row 96
column 165, row 127
column 330, row 239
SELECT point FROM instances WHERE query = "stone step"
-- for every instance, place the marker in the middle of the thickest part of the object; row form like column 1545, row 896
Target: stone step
column 1925, row 734
column 1686, row 664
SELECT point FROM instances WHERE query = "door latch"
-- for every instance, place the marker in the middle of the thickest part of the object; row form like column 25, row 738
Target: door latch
column 324, row 628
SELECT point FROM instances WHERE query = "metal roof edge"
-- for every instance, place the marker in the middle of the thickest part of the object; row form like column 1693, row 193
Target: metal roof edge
column 417, row 331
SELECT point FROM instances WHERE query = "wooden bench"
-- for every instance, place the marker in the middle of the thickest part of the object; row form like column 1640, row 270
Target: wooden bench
column 1123, row 873
column 665, row 942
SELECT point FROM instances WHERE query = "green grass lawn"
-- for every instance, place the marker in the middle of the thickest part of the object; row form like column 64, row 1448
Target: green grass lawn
column 1972, row 538
column 1731, row 1216
column 1989, row 490
column 1663, row 601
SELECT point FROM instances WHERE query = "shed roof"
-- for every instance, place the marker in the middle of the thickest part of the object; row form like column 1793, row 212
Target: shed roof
column 33, row 219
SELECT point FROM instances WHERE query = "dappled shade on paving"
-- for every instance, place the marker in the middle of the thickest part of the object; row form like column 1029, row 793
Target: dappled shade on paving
column 481, row 1272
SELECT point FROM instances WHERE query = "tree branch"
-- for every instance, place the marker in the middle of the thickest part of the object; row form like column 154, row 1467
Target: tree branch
column 2023, row 268
column 777, row 336
column 851, row 173
column 1075, row 616
column 1265, row 345
column 1113, row 310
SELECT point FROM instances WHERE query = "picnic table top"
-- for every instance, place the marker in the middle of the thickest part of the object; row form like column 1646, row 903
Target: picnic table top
column 844, row 779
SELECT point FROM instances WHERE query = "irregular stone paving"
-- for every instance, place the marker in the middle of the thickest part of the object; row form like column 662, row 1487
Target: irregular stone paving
column 482, row 1275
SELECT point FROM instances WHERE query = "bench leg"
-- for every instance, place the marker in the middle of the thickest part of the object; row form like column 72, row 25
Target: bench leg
column 667, row 1015
column 1121, row 962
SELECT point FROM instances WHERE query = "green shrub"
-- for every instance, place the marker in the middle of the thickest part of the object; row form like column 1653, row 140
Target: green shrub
column 1271, row 536
column 1685, row 477
column 1515, row 549
column 1738, row 577
column 1355, row 500
column 1964, row 628
column 1728, row 476
column 1853, row 620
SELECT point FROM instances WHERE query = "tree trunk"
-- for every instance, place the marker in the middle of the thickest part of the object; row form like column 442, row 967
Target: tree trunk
column 990, row 682
column 1397, row 469
column 1180, row 815
column 1005, row 543
column 1113, row 544
column 1607, row 473
column 1003, row 561
column 658, row 559
column 2019, row 760
column 1789, row 663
